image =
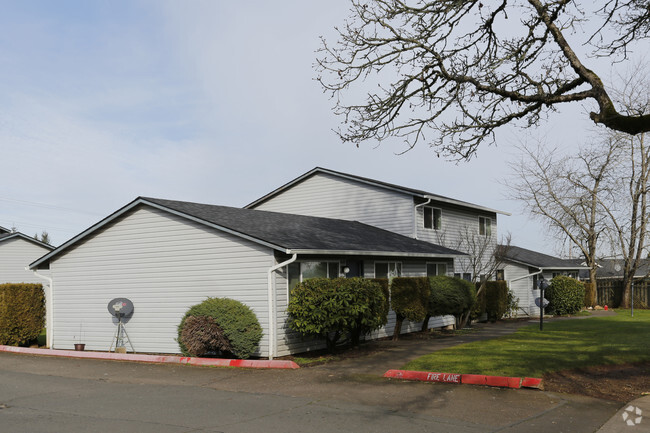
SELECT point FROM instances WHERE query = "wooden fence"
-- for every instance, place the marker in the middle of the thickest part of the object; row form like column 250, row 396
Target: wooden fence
column 610, row 292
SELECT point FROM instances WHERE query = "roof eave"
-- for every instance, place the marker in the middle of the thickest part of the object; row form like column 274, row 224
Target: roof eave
column 370, row 182
column 130, row 206
column 372, row 253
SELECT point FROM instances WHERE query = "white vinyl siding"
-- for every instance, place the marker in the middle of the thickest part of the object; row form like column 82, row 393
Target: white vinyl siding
column 164, row 264
column 292, row 342
column 325, row 195
column 16, row 254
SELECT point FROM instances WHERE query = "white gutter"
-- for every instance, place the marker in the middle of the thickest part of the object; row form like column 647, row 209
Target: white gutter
column 272, row 312
column 415, row 217
column 49, row 326
column 529, row 275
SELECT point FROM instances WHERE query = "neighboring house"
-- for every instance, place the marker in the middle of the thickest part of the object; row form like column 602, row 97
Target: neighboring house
column 410, row 212
column 613, row 269
column 522, row 269
column 17, row 251
column 166, row 256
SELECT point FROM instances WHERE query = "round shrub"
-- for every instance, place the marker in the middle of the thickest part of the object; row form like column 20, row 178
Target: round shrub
column 565, row 295
column 450, row 296
column 219, row 325
column 333, row 308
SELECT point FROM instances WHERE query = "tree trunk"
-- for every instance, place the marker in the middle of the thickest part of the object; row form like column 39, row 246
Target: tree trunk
column 425, row 323
column 627, row 291
column 398, row 327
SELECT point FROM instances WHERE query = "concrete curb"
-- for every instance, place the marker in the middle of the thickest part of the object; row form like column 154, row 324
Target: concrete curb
column 467, row 379
column 158, row 359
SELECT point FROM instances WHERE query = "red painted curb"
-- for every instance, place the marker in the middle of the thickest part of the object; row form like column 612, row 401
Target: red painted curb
column 466, row 379
column 158, row 359
column 531, row 382
column 423, row 376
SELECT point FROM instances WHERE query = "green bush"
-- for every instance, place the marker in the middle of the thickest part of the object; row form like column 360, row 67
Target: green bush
column 450, row 296
column 409, row 298
column 496, row 299
column 219, row 325
column 565, row 296
column 22, row 313
column 332, row 309
column 384, row 283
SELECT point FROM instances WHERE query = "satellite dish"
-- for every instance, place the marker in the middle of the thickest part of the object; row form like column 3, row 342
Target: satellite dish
column 617, row 267
column 537, row 301
column 120, row 307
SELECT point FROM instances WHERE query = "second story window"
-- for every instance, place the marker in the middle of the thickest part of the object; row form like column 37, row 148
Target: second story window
column 432, row 218
column 484, row 226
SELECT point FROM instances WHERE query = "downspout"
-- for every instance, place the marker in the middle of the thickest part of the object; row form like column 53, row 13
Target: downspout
column 49, row 326
column 415, row 217
column 272, row 313
column 527, row 276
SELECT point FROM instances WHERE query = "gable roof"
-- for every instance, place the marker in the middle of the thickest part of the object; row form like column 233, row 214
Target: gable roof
column 613, row 268
column 17, row 235
column 538, row 260
column 288, row 233
column 4, row 230
column 402, row 189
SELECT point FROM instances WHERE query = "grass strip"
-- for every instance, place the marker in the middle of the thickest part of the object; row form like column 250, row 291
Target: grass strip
column 566, row 344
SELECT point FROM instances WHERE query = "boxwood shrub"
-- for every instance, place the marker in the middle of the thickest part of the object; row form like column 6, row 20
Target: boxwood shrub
column 409, row 298
column 565, row 296
column 219, row 325
column 496, row 299
column 450, row 296
column 337, row 309
column 22, row 313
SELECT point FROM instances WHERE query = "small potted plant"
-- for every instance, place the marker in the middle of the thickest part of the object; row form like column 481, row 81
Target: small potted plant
column 80, row 347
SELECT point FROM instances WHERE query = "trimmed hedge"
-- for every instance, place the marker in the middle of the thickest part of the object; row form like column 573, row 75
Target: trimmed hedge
column 565, row 295
column 330, row 309
column 450, row 296
column 496, row 299
column 22, row 313
column 219, row 325
column 409, row 297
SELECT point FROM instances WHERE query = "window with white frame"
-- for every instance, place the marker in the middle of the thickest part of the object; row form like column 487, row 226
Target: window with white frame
column 500, row 275
column 432, row 218
column 388, row 269
column 301, row 271
column 434, row 269
column 465, row 276
column 485, row 226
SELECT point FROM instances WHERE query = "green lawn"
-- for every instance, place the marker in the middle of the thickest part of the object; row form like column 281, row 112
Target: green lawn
column 566, row 344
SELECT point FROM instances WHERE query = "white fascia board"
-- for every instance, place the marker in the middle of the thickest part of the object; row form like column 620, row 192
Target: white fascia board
column 465, row 204
column 373, row 253
column 545, row 268
column 127, row 208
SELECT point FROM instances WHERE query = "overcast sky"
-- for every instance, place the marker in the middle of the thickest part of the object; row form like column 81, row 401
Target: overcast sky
column 207, row 101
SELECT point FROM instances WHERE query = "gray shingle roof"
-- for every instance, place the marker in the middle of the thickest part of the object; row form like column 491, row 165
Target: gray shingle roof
column 538, row 260
column 283, row 232
column 298, row 232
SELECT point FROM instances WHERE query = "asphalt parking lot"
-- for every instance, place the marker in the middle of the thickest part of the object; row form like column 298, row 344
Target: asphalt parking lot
column 62, row 394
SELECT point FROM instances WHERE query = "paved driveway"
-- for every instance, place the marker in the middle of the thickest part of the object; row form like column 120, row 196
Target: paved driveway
column 51, row 395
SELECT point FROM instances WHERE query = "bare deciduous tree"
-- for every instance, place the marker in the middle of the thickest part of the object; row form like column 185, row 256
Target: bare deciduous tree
column 566, row 193
column 484, row 256
column 462, row 69
column 628, row 215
